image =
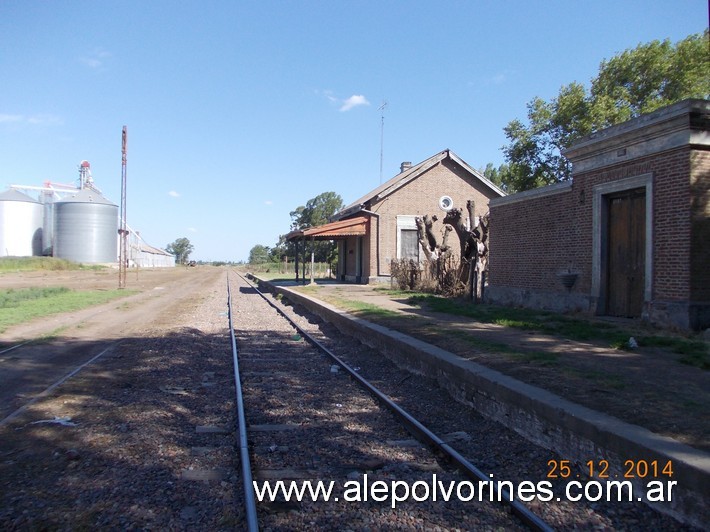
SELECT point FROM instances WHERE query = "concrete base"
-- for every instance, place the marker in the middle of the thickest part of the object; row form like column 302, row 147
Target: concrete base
column 546, row 300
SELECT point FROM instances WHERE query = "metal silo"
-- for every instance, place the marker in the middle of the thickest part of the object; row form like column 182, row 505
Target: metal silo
column 86, row 228
column 20, row 225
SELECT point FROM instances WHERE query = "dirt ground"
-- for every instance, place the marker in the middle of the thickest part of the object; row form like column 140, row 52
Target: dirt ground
column 117, row 447
column 154, row 298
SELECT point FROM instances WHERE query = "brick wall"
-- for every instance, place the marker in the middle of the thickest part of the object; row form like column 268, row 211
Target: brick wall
column 420, row 197
column 533, row 240
column 536, row 239
column 700, row 226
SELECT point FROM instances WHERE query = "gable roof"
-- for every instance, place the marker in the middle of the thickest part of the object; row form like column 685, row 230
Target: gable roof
column 409, row 175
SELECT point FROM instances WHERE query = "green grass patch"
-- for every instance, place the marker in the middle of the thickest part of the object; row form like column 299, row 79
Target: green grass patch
column 540, row 358
column 477, row 343
column 22, row 264
column 697, row 359
column 694, row 352
column 368, row 310
column 601, row 379
column 12, row 297
column 22, row 305
column 520, row 318
column 358, row 308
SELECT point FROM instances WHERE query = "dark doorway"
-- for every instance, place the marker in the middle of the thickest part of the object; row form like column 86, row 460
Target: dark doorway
column 626, row 264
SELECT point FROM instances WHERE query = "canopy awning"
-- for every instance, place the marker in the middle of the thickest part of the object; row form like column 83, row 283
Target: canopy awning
column 356, row 226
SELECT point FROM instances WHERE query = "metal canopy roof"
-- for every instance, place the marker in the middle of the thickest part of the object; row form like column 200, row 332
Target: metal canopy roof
column 356, row 226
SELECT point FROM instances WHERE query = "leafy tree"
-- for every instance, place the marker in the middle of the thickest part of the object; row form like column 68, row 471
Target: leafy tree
column 181, row 248
column 259, row 254
column 495, row 175
column 632, row 83
column 318, row 211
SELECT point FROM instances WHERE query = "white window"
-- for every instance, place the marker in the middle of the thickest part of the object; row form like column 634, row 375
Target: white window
column 407, row 238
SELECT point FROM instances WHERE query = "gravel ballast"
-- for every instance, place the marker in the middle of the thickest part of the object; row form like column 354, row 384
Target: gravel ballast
column 145, row 437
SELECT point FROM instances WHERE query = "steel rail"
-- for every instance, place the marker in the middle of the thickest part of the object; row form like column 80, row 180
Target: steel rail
column 416, row 428
column 249, row 498
column 14, row 347
column 61, row 381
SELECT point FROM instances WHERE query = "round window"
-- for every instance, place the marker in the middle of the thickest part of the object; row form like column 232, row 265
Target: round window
column 446, row 203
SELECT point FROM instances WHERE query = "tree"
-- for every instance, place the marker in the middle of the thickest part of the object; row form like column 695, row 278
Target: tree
column 259, row 254
column 318, row 211
column 181, row 248
column 496, row 175
column 454, row 277
column 632, row 83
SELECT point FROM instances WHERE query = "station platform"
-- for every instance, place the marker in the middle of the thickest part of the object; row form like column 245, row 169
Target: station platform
column 581, row 399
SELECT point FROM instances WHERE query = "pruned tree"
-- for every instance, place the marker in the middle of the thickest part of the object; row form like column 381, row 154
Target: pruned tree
column 467, row 274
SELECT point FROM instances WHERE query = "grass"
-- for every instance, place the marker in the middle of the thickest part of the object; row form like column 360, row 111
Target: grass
column 358, row 308
column 22, row 305
column 603, row 379
column 694, row 352
column 17, row 264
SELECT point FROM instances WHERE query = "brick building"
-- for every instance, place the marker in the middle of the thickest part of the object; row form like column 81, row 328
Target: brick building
column 379, row 227
column 628, row 236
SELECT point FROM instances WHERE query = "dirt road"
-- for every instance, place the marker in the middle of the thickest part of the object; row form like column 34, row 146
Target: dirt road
column 157, row 297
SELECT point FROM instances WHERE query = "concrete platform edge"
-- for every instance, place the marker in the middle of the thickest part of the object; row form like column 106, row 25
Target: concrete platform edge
column 574, row 432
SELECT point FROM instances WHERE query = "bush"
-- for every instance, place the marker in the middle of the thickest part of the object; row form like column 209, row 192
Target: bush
column 441, row 276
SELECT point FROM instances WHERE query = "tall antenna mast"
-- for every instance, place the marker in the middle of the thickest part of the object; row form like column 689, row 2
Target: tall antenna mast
column 381, row 108
column 123, row 232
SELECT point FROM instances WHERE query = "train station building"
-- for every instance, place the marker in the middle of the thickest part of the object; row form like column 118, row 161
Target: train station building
column 380, row 226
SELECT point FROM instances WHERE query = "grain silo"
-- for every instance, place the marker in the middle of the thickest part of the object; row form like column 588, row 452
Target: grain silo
column 86, row 228
column 20, row 225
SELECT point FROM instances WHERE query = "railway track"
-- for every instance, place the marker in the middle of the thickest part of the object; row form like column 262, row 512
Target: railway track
column 478, row 443
column 315, row 424
column 153, row 429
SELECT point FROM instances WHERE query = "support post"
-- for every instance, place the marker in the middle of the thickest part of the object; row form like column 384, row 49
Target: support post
column 313, row 258
column 296, row 262
column 122, row 231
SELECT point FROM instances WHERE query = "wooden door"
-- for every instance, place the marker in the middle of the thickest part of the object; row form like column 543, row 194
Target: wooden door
column 626, row 253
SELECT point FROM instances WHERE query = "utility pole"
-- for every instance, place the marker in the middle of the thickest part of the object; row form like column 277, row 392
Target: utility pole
column 382, row 134
column 123, row 232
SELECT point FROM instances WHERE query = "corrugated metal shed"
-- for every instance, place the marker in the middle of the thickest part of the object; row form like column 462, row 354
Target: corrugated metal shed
column 142, row 255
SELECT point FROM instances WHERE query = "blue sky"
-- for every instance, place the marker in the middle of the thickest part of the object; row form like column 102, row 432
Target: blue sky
column 240, row 111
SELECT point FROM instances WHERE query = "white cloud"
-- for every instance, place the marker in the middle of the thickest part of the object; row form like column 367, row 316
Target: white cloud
column 192, row 230
column 173, row 194
column 499, row 78
column 268, row 202
column 329, row 95
column 6, row 119
column 354, row 101
column 45, row 120
column 39, row 119
column 95, row 59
